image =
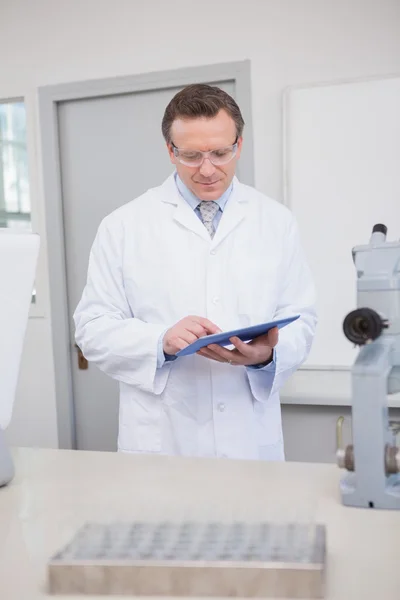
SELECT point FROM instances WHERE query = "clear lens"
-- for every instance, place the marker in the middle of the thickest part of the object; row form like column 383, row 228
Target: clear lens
column 190, row 158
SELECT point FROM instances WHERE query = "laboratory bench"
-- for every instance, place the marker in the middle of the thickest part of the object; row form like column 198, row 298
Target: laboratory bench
column 55, row 492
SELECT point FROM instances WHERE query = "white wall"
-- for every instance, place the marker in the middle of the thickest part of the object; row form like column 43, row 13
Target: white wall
column 288, row 42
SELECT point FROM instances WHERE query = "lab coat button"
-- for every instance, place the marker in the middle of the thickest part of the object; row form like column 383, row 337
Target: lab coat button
column 215, row 300
column 213, row 252
column 221, row 407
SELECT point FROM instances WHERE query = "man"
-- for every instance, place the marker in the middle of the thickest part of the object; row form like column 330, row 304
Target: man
column 199, row 254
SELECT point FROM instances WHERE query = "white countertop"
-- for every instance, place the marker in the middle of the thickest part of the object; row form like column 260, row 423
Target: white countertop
column 55, row 492
column 323, row 386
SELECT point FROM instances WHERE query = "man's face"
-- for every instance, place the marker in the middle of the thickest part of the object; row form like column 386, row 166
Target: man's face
column 207, row 181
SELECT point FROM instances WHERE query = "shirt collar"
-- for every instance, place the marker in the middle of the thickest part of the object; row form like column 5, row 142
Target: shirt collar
column 193, row 201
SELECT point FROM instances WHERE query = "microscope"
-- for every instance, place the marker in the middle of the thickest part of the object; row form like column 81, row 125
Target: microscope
column 372, row 461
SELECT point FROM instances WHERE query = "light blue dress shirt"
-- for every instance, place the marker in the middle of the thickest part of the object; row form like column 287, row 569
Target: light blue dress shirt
column 194, row 203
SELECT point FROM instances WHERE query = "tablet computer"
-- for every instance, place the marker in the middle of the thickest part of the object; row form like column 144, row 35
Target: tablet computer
column 245, row 334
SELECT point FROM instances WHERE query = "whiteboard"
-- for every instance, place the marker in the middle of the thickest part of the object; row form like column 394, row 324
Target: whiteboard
column 341, row 176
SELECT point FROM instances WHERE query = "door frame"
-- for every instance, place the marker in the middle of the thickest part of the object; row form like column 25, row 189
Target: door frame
column 49, row 98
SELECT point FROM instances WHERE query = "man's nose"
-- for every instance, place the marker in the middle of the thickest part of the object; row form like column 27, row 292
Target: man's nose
column 207, row 168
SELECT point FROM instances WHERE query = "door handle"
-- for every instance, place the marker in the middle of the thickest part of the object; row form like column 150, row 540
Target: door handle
column 82, row 362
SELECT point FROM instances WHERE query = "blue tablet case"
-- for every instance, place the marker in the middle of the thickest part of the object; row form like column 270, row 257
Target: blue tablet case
column 246, row 334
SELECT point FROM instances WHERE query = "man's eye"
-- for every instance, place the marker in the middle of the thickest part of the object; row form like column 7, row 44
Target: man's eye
column 221, row 153
column 190, row 155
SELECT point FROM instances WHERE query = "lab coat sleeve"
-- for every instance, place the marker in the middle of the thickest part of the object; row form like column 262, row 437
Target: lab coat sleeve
column 124, row 347
column 296, row 295
column 163, row 358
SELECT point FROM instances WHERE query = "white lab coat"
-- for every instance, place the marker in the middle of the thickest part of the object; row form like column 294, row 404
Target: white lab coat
column 153, row 263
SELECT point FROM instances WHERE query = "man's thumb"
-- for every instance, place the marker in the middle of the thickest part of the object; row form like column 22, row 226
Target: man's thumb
column 273, row 337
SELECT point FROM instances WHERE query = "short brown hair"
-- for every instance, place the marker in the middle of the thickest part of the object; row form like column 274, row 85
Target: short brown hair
column 200, row 100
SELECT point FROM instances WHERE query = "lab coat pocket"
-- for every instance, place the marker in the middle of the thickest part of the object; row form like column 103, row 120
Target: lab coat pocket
column 268, row 425
column 139, row 422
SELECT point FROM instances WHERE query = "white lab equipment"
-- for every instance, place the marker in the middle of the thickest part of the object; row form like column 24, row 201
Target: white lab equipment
column 18, row 259
column 372, row 461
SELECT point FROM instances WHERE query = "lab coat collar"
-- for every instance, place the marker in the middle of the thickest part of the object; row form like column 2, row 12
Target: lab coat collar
column 233, row 214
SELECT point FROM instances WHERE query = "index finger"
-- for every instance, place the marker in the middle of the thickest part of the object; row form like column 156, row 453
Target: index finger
column 207, row 324
column 197, row 329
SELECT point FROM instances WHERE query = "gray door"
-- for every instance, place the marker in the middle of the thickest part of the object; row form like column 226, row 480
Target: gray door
column 111, row 150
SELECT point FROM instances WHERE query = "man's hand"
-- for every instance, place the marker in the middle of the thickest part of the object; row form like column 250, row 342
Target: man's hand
column 185, row 332
column 256, row 352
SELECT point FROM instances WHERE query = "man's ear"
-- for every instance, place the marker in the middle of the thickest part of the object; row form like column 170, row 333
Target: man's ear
column 239, row 147
column 171, row 153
